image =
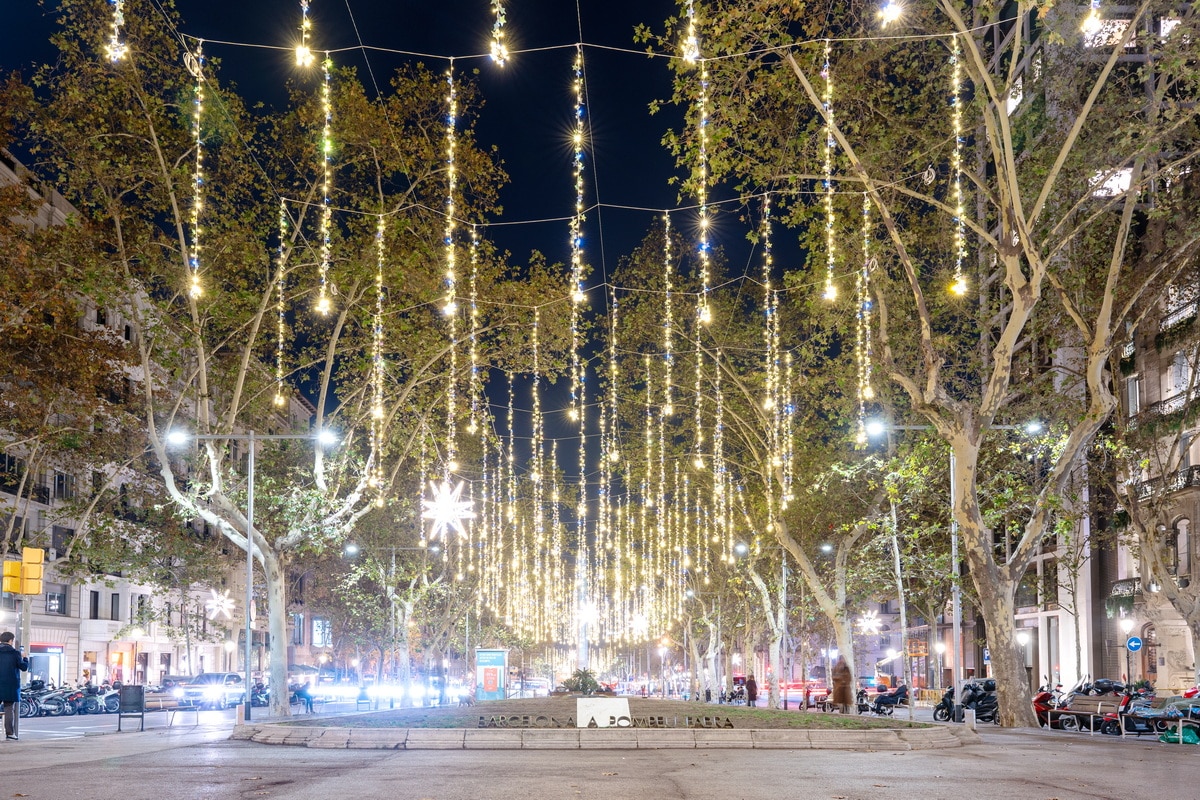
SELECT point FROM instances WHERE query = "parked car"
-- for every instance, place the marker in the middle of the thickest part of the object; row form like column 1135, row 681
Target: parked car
column 212, row 690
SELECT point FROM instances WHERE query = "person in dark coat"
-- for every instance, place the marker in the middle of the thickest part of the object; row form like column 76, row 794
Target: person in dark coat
column 841, row 696
column 751, row 690
column 12, row 663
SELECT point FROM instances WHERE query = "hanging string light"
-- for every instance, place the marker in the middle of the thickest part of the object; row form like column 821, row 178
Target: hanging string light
column 280, row 310
column 959, row 287
column 450, row 306
column 771, row 405
column 862, row 344
column 691, row 42
column 375, row 481
column 304, row 54
column 195, row 65
column 827, row 104
column 476, row 378
column 668, row 321
column 702, row 311
column 323, row 304
column 116, row 48
column 890, row 11
column 499, row 48
column 1092, row 22
column 578, row 370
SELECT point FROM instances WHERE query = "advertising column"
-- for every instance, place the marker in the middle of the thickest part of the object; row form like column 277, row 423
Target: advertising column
column 491, row 673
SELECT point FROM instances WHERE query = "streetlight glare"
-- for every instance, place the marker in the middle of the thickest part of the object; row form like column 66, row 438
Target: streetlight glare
column 875, row 427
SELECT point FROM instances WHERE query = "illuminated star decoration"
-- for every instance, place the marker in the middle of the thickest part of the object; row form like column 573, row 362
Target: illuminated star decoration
column 219, row 605
column 446, row 509
column 869, row 623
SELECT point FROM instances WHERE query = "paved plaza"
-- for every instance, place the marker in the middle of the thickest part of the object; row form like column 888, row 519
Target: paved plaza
column 201, row 762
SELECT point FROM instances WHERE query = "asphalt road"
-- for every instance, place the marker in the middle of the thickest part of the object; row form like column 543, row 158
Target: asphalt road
column 197, row 762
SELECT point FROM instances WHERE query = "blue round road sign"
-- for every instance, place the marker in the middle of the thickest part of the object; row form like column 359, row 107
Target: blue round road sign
column 1134, row 643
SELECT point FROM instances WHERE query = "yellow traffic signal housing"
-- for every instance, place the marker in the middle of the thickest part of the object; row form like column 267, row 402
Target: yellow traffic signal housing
column 12, row 577
column 32, row 568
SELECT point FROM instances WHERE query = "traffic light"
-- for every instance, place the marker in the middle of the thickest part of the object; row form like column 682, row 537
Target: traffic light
column 12, row 577
column 32, row 566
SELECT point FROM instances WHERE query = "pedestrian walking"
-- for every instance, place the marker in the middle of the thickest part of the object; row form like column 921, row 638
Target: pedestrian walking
column 751, row 689
column 12, row 663
column 842, row 697
column 305, row 694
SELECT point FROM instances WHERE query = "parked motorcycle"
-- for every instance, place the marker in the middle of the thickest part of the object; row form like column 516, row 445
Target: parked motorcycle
column 944, row 710
column 860, row 700
column 1087, row 688
column 1130, row 717
column 980, row 697
column 1048, row 700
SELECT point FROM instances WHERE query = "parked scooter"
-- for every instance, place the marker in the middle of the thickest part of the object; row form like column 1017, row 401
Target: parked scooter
column 860, row 700
column 944, row 710
column 1048, row 700
column 1128, row 718
column 980, row 697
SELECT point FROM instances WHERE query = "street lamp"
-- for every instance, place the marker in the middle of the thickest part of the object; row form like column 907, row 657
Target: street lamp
column 179, row 437
column 1127, row 627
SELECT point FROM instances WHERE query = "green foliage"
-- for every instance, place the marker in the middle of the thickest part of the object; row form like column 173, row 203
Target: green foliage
column 582, row 681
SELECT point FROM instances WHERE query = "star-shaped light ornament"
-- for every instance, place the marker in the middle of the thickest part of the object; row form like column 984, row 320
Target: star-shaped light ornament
column 219, row 605
column 447, row 509
column 870, row 623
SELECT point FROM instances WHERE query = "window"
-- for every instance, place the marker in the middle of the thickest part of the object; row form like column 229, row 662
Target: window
column 114, row 611
column 56, row 599
column 60, row 540
column 94, row 605
column 1181, row 372
column 322, row 633
column 101, row 317
column 11, row 470
column 298, row 629
column 1183, row 547
column 1133, row 395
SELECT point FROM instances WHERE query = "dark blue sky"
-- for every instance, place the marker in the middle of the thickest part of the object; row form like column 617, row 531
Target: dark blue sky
column 528, row 103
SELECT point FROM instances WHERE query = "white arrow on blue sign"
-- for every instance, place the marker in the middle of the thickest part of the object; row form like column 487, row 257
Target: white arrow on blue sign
column 1134, row 643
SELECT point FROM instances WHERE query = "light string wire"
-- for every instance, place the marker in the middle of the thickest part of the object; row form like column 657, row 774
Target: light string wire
column 862, row 336
column 668, row 408
column 323, row 302
column 195, row 64
column 499, row 50
column 959, row 286
column 450, row 309
column 827, row 168
column 281, row 307
column 375, row 480
column 116, row 49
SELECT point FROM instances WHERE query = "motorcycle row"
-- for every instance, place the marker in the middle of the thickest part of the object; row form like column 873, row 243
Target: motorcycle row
column 1120, row 709
column 39, row 700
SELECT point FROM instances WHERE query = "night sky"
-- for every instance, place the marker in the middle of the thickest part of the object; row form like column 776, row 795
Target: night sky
column 528, row 109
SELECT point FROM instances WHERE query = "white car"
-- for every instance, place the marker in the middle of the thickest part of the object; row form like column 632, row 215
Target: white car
column 212, row 690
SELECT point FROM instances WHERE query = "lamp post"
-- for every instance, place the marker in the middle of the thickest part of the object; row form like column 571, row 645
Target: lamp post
column 1023, row 641
column 1127, row 627
column 662, row 669
column 940, row 649
column 177, row 437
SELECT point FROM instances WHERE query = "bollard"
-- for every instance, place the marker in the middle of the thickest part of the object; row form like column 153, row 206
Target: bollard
column 969, row 718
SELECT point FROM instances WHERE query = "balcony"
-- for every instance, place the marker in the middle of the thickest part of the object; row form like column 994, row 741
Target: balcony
column 1177, row 315
column 1185, row 478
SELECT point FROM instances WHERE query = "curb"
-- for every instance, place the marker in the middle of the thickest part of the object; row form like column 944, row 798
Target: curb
column 602, row 739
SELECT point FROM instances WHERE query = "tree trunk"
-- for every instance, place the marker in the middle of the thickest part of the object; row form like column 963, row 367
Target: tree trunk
column 403, row 657
column 997, row 607
column 272, row 565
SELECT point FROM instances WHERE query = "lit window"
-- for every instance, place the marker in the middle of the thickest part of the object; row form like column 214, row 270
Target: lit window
column 1133, row 395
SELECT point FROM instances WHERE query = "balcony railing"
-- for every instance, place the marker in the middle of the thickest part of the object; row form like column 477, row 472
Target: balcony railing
column 1178, row 315
column 1183, row 479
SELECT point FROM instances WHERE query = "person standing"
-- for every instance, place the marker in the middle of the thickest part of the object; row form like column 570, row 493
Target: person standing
column 751, row 690
column 842, row 678
column 12, row 663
